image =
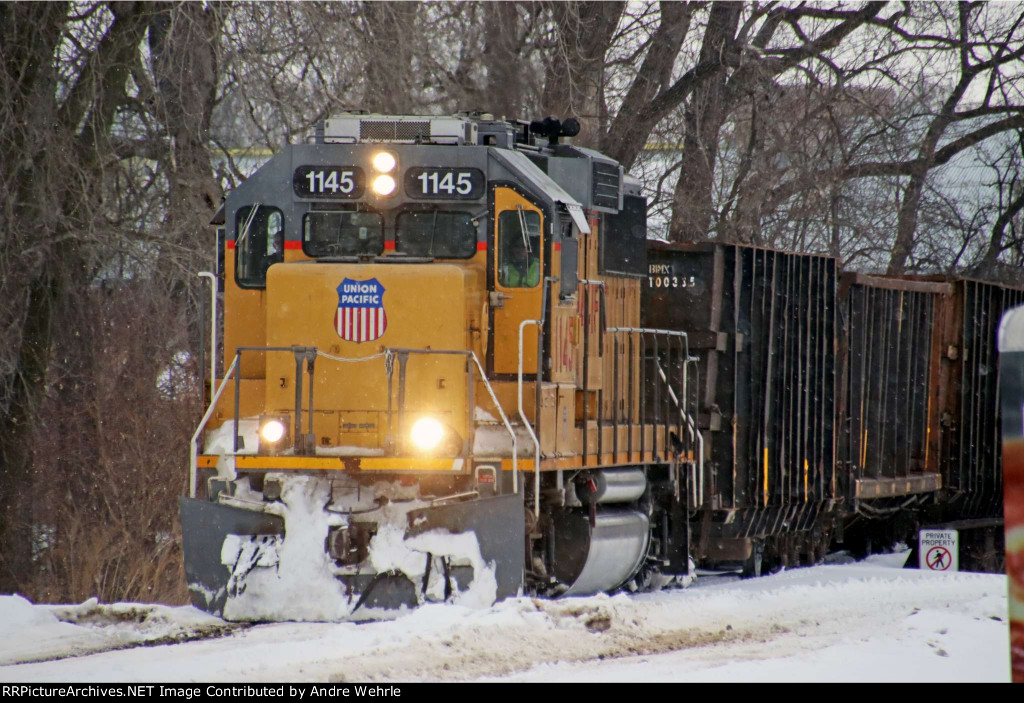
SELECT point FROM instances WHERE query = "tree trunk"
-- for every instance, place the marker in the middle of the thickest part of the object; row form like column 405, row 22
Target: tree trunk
column 16, row 443
column 502, row 60
column 182, row 41
column 628, row 133
column 51, row 165
column 574, row 85
column 692, row 206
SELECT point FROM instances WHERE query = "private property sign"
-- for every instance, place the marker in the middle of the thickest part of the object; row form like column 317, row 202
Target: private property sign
column 938, row 549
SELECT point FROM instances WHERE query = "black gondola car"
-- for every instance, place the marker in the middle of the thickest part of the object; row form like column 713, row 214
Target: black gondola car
column 763, row 326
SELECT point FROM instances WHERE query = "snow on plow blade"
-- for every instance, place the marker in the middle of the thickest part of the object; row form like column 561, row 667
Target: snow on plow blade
column 470, row 552
column 204, row 527
column 499, row 528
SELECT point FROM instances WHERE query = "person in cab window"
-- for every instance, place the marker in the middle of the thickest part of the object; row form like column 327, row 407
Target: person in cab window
column 275, row 240
column 522, row 270
column 276, row 253
column 519, row 256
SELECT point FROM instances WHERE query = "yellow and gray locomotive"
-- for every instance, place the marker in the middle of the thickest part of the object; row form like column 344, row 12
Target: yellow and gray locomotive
column 436, row 384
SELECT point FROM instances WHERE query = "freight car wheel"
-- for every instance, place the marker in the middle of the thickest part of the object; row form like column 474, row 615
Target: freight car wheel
column 820, row 545
column 753, row 565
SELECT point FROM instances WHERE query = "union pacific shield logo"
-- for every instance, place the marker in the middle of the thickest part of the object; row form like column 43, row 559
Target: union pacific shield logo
column 360, row 316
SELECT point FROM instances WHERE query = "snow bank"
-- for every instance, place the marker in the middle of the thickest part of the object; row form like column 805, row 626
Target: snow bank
column 39, row 632
column 19, row 615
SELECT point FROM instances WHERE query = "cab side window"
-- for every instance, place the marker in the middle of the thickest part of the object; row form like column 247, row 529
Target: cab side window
column 519, row 248
column 259, row 242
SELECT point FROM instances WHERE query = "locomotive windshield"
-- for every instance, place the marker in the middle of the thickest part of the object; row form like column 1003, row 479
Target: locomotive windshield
column 343, row 233
column 445, row 235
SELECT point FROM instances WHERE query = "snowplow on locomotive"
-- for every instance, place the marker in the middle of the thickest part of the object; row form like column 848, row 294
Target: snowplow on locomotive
column 454, row 368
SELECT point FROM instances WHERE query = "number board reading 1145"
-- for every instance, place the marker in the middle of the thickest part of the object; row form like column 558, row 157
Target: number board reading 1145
column 444, row 183
column 342, row 182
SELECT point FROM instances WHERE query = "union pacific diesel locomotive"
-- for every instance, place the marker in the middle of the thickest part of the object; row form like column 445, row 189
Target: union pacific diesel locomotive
column 454, row 368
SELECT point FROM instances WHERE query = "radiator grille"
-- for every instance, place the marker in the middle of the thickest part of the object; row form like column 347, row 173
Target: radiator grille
column 605, row 185
column 391, row 130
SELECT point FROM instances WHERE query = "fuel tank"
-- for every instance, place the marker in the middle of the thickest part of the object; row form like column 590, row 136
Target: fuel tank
column 599, row 555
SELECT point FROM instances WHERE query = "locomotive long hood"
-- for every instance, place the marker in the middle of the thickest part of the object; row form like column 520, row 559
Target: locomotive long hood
column 355, row 313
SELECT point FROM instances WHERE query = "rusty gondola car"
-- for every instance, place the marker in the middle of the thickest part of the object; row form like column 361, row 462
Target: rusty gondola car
column 919, row 415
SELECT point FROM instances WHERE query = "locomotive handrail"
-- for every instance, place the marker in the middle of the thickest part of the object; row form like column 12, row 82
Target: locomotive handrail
column 526, row 423
column 508, row 425
column 213, row 327
column 301, row 354
column 469, row 354
column 548, row 280
column 308, row 354
column 691, row 425
column 586, row 283
column 653, row 330
column 193, row 445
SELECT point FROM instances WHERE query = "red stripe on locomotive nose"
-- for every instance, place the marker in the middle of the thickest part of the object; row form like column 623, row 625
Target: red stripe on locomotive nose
column 230, row 244
column 481, row 246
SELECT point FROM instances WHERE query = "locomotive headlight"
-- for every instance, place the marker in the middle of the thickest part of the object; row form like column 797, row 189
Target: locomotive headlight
column 272, row 431
column 383, row 185
column 384, row 162
column 427, row 433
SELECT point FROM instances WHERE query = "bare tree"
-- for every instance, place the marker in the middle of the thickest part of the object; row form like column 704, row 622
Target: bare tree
column 96, row 143
column 1005, row 216
column 55, row 122
column 983, row 46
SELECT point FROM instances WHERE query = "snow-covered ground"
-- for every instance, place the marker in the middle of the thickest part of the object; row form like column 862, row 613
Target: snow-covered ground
column 865, row 621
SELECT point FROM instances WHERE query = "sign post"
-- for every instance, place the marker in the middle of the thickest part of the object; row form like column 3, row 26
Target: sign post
column 938, row 550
